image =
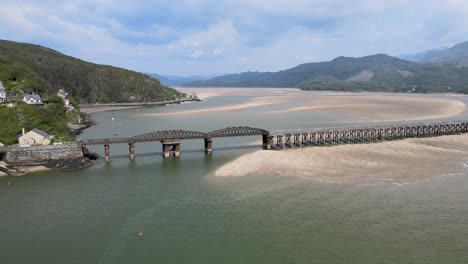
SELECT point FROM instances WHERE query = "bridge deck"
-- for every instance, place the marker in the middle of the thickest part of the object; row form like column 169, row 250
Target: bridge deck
column 312, row 135
column 168, row 135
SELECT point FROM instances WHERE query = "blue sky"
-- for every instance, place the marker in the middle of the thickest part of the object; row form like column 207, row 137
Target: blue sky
column 198, row 37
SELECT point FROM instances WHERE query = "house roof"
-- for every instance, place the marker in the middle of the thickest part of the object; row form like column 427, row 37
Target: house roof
column 33, row 96
column 40, row 132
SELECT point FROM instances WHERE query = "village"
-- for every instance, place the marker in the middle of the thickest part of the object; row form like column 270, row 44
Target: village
column 35, row 136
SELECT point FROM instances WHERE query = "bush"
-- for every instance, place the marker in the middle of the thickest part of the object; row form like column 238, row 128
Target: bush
column 53, row 99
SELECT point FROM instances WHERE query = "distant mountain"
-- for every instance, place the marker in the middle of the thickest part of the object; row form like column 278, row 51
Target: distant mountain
column 457, row 54
column 418, row 57
column 371, row 73
column 33, row 68
column 172, row 80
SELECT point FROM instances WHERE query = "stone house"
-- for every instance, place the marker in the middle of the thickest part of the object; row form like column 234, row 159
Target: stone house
column 35, row 137
column 3, row 93
column 32, row 99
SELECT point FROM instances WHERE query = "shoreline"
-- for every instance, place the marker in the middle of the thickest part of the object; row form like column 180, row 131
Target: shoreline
column 363, row 106
column 94, row 108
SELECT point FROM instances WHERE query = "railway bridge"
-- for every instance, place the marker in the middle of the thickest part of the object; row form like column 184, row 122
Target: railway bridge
column 280, row 139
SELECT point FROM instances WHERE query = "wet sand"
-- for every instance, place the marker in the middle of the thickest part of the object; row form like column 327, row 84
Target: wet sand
column 25, row 169
column 368, row 107
column 89, row 110
column 397, row 162
column 228, row 108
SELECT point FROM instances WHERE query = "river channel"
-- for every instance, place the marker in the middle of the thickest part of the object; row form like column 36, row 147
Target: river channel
column 185, row 213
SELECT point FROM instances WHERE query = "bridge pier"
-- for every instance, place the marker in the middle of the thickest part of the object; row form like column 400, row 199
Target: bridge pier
column 131, row 149
column 267, row 141
column 209, row 146
column 170, row 147
column 107, row 152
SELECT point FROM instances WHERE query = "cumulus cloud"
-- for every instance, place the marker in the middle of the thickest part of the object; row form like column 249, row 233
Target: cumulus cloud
column 201, row 36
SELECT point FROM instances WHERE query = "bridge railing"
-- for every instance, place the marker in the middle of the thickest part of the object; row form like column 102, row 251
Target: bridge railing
column 344, row 128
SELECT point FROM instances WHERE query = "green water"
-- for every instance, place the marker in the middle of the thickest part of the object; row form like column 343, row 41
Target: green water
column 187, row 215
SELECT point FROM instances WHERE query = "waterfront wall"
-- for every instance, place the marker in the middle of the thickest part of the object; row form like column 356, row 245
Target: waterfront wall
column 42, row 155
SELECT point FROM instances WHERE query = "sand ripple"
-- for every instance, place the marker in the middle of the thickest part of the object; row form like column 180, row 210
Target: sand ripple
column 398, row 162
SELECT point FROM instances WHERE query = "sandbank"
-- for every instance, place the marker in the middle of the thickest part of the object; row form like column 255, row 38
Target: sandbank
column 397, row 162
column 364, row 107
column 377, row 107
column 228, row 108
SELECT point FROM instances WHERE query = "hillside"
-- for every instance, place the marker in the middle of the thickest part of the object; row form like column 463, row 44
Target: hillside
column 32, row 68
column 422, row 56
column 52, row 119
column 457, row 54
column 371, row 73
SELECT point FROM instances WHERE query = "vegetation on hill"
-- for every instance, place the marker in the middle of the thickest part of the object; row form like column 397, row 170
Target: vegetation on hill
column 457, row 55
column 52, row 119
column 32, row 68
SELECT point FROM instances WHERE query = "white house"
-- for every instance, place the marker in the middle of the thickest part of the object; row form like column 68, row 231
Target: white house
column 32, row 99
column 3, row 95
column 62, row 94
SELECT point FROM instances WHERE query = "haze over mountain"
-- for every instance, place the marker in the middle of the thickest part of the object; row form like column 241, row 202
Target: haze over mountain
column 33, row 68
column 438, row 72
column 418, row 57
column 173, row 80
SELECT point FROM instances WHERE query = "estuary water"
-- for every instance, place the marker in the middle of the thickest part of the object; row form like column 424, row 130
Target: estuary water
column 186, row 214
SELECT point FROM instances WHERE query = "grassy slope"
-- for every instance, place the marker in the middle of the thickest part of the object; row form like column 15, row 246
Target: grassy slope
column 51, row 119
column 27, row 67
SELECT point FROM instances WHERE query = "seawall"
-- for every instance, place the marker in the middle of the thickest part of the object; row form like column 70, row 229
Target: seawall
column 66, row 156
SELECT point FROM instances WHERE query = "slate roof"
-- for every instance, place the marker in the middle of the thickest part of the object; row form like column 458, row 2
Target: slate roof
column 40, row 132
column 33, row 96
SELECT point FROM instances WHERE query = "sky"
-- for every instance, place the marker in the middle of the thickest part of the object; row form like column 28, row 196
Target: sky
column 202, row 37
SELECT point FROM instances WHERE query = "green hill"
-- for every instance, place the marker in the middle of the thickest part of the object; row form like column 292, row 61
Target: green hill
column 371, row 73
column 32, row 68
column 457, row 54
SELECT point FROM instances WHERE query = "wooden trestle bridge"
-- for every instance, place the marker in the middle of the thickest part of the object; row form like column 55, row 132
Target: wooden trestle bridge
column 279, row 139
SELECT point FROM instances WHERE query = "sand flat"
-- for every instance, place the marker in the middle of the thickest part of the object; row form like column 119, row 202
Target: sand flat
column 365, row 107
column 260, row 101
column 398, row 162
column 377, row 107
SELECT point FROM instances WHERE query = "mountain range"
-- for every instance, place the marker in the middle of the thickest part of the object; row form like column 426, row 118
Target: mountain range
column 423, row 56
column 26, row 68
column 443, row 70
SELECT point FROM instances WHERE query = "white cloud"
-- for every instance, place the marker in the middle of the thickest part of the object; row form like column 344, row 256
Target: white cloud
column 202, row 36
column 197, row 54
column 218, row 51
